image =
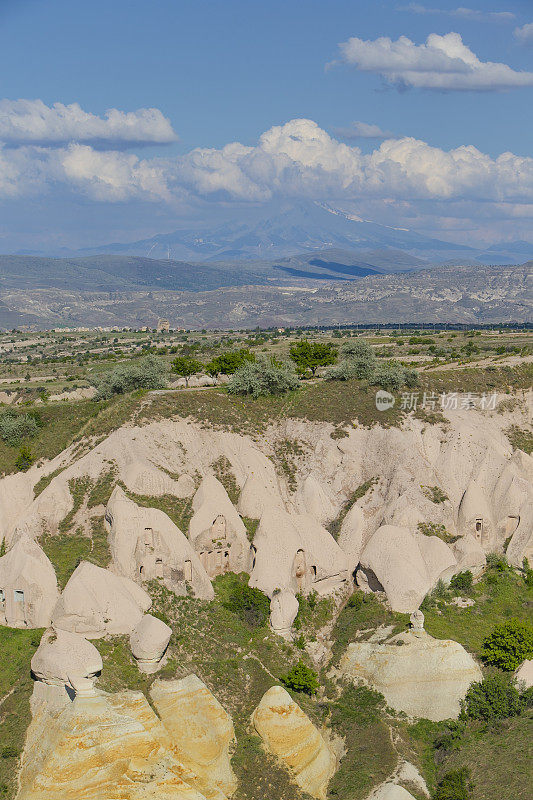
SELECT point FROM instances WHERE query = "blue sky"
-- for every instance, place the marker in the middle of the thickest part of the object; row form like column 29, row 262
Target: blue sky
column 221, row 75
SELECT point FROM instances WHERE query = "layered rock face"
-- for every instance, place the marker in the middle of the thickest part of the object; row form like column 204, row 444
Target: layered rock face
column 422, row 676
column 200, row 732
column 100, row 748
column 290, row 735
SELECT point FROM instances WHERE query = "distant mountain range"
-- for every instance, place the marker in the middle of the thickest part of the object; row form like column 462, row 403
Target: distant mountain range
column 467, row 294
column 277, row 231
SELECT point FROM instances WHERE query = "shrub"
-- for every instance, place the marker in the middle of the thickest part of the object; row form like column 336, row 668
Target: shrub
column 249, row 603
column 462, row 581
column 528, row 573
column 344, row 371
column 390, row 377
column 25, row 459
column 508, row 645
column 301, row 678
column 148, row 373
column 356, row 601
column 497, row 562
column 495, row 697
column 10, row 751
column 362, row 358
column 263, row 377
column 16, row 427
column 455, row 785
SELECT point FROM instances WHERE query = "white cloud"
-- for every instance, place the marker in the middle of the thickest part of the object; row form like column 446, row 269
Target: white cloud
column 462, row 13
column 33, row 122
column 363, row 130
column 443, row 62
column 525, row 33
column 402, row 179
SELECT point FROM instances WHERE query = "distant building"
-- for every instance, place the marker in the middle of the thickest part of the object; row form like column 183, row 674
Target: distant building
column 163, row 325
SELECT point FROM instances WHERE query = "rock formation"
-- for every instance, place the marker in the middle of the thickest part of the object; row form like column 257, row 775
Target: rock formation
column 96, row 602
column 524, row 674
column 283, row 610
column 146, row 544
column 200, row 731
column 66, row 659
column 217, row 533
column 149, row 641
column 290, row 735
column 100, row 748
column 403, row 564
column 307, row 557
column 390, row 791
column 28, row 586
column 422, row 676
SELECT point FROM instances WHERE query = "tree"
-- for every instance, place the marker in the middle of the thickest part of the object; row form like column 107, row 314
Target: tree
column 495, row 697
column 361, row 357
column 311, row 355
column 249, row 603
column 263, row 377
column 228, row 363
column 301, row 678
column 508, row 645
column 186, row 366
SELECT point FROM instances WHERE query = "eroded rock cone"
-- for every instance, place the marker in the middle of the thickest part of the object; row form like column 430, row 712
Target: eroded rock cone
column 149, row 641
column 289, row 734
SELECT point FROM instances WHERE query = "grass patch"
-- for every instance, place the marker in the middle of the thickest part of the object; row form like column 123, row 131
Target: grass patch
column 499, row 597
column 103, row 487
column 369, row 613
column 178, row 509
column 78, row 489
column 16, row 685
column 520, row 438
column 224, row 473
column 287, row 452
column 335, row 526
column 67, row 550
column 436, row 529
column 357, row 716
column 251, row 526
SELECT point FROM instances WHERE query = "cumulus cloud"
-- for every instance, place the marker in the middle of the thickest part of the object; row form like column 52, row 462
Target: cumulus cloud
column 525, row 33
column 363, row 130
column 443, row 62
column 405, row 178
column 462, row 13
column 33, row 122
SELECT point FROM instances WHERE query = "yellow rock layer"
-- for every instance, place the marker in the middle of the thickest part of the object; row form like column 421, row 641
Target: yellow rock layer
column 200, row 731
column 109, row 747
column 290, row 735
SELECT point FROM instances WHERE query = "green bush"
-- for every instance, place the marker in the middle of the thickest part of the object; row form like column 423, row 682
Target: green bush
column 528, row 573
column 148, row 373
column 185, row 366
column 25, row 459
column 16, row 427
column 301, row 678
column 228, row 363
column 455, row 785
column 9, row 751
column 495, row 697
column 263, row 377
column 497, row 562
column 462, row 581
column 508, row 645
column 249, row 603
column 355, row 601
